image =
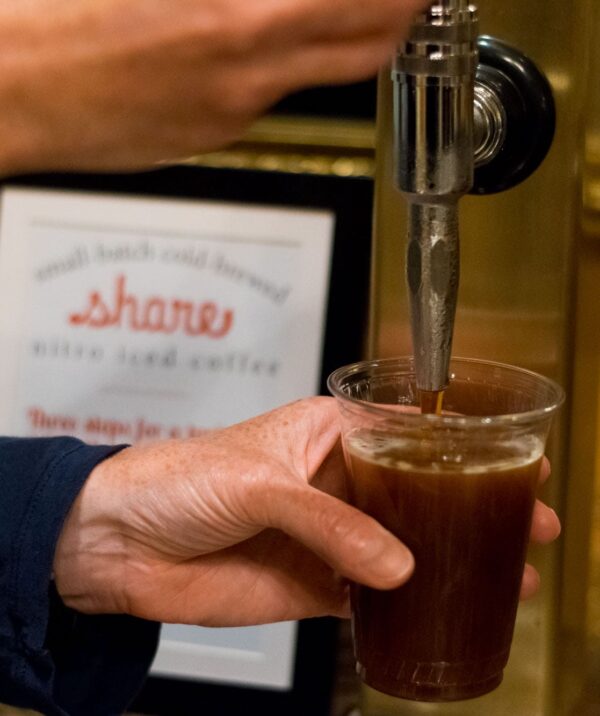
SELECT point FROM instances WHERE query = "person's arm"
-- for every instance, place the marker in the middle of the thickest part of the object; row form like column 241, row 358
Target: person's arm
column 106, row 84
column 53, row 659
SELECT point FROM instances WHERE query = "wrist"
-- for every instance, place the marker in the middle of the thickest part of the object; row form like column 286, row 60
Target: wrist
column 90, row 555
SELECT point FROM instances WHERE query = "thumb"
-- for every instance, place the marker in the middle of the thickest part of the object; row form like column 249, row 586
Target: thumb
column 351, row 542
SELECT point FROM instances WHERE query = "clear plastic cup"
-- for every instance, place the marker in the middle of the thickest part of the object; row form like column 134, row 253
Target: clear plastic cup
column 458, row 490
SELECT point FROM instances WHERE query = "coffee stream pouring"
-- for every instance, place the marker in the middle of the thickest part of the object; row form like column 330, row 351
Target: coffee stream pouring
column 471, row 114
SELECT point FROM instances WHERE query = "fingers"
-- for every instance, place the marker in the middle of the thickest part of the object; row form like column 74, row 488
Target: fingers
column 331, row 475
column 545, row 470
column 352, row 543
column 545, row 525
column 325, row 63
column 320, row 418
column 337, row 19
column 336, row 42
column 394, row 16
column 530, row 584
column 266, row 579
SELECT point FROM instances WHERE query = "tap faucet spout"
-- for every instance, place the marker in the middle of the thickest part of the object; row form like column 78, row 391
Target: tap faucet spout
column 434, row 77
column 432, row 275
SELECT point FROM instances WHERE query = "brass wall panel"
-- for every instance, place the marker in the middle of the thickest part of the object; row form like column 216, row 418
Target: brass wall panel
column 583, row 507
column 300, row 145
column 516, row 305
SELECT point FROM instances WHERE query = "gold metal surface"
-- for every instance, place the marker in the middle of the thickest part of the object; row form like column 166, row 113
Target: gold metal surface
column 300, row 145
column 310, row 132
column 520, row 252
column 585, row 432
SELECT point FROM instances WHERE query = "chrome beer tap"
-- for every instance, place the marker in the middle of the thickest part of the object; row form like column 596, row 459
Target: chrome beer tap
column 459, row 127
column 434, row 90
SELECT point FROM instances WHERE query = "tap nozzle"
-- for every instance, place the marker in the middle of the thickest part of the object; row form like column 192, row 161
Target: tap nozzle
column 434, row 79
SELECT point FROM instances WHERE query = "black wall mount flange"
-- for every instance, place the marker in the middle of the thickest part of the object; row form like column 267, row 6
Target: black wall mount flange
column 529, row 115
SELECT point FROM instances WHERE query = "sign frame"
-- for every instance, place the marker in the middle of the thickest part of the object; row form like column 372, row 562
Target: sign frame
column 350, row 199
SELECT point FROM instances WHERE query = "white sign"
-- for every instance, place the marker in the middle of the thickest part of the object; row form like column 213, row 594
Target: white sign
column 125, row 319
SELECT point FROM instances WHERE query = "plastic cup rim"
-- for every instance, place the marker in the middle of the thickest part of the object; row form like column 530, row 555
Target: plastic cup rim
column 526, row 417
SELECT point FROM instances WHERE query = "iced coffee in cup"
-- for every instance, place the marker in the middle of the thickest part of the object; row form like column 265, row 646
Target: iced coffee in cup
column 458, row 489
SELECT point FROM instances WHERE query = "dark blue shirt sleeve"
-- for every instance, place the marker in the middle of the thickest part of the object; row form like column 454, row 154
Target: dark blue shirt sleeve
column 53, row 659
